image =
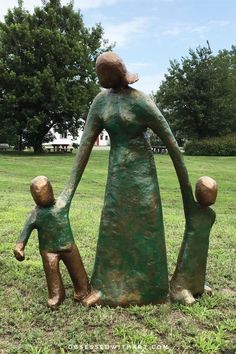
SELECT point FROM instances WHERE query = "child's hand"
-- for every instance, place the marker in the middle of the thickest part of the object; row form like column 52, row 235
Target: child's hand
column 19, row 252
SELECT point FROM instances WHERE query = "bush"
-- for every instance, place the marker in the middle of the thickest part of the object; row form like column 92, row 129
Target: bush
column 219, row 146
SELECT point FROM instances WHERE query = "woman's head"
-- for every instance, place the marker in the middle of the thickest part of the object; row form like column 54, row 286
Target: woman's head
column 42, row 192
column 112, row 72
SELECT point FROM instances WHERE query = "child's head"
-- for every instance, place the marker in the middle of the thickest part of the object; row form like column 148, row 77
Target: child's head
column 206, row 191
column 42, row 192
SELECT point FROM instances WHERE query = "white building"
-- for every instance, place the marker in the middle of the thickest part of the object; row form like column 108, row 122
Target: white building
column 103, row 139
column 66, row 140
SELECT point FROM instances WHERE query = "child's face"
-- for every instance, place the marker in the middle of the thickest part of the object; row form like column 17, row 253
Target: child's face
column 42, row 191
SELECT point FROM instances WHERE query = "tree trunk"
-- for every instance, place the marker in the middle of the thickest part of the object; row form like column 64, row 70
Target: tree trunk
column 38, row 148
column 20, row 142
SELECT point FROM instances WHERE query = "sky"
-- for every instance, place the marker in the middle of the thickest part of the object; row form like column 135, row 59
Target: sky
column 150, row 33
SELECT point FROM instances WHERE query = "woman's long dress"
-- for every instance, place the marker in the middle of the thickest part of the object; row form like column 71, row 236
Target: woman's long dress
column 130, row 265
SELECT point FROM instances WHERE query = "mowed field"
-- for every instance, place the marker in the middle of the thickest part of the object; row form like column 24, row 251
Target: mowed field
column 28, row 326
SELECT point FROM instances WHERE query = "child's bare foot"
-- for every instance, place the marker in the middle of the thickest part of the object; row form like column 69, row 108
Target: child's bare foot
column 80, row 295
column 187, row 297
column 94, row 298
column 208, row 290
column 55, row 301
column 183, row 296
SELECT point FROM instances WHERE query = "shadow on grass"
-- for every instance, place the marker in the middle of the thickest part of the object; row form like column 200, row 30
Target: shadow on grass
column 31, row 153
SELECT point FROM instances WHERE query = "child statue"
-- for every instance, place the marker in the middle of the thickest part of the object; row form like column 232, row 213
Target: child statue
column 188, row 281
column 50, row 218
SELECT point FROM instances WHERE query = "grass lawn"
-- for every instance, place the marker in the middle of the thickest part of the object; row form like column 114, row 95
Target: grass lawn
column 27, row 326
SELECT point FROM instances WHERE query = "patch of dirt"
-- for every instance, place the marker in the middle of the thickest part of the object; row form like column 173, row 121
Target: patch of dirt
column 228, row 292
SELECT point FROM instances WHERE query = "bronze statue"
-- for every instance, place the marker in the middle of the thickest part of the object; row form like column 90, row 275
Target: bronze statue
column 50, row 218
column 188, row 281
column 130, row 265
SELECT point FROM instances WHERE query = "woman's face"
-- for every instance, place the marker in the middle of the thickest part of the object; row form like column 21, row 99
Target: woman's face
column 109, row 77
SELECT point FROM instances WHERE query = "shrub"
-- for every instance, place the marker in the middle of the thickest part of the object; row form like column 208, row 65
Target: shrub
column 218, row 146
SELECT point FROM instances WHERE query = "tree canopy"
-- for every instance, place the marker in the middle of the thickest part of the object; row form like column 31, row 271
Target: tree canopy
column 198, row 95
column 47, row 70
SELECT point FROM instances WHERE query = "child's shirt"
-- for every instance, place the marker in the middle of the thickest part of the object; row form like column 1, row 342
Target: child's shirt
column 53, row 226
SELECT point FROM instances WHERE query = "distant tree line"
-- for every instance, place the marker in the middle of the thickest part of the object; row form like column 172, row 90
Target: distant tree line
column 48, row 79
column 47, row 72
column 198, row 94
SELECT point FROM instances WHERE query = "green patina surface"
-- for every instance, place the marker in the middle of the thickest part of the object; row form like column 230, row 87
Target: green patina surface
column 191, row 266
column 53, row 226
column 130, row 265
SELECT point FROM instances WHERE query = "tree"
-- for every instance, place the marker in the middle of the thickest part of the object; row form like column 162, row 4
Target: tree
column 196, row 93
column 225, row 90
column 47, row 70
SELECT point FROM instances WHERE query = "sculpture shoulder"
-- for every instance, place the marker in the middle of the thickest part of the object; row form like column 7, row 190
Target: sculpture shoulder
column 128, row 92
column 99, row 99
column 212, row 214
column 129, row 95
column 145, row 104
column 139, row 94
column 50, row 215
column 145, row 100
column 32, row 217
column 97, row 105
column 60, row 206
column 59, row 203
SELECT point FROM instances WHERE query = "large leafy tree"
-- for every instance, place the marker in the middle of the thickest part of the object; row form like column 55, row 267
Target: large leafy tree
column 198, row 94
column 47, row 71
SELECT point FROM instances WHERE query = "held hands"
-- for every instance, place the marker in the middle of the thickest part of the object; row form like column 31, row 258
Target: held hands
column 19, row 252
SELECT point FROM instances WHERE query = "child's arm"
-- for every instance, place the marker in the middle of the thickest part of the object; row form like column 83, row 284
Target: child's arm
column 24, row 236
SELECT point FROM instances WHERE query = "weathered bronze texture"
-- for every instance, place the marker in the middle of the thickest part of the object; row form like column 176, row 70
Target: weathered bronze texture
column 50, row 218
column 130, row 265
column 188, row 281
column 112, row 71
column 42, row 192
column 206, row 191
column 74, row 265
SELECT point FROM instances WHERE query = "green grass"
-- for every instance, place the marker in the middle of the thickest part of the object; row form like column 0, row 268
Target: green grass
column 27, row 326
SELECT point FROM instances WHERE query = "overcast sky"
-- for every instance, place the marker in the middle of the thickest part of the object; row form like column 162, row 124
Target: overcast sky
column 148, row 33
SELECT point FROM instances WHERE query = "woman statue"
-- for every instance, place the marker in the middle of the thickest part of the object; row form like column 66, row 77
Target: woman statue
column 130, row 265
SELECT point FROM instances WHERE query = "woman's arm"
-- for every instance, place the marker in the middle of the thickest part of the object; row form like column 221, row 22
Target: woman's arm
column 92, row 129
column 189, row 276
column 156, row 121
